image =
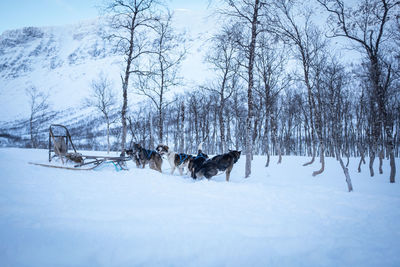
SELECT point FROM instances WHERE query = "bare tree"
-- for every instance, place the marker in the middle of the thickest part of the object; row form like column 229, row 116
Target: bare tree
column 248, row 15
column 222, row 57
column 168, row 52
column 309, row 50
column 366, row 25
column 131, row 20
column 102, row 98
column 270, row 64
column 38, row 105
column 335, row 81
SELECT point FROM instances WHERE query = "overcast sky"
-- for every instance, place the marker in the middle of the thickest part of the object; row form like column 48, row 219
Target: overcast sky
column 16, row 14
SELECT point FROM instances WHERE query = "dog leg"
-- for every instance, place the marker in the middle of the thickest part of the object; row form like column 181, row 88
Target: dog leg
column 180, row 171
column 136, row 160
column 159, row 167
column 228, row 173
column 172, row 170
column 187, row 170
column 153, row 166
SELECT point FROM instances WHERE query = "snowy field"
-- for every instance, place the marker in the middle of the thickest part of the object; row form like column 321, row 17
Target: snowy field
column 280, row 216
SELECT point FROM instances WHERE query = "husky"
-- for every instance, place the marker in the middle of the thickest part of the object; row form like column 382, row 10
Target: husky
column 196, row 162
column 143, row 156
column 180, row 161
column 222, row 163
column 132, row 155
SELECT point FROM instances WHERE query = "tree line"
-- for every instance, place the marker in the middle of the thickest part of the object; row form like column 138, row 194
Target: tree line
column 279, row 87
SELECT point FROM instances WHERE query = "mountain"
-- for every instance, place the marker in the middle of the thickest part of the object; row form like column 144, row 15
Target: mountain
column 62, row 61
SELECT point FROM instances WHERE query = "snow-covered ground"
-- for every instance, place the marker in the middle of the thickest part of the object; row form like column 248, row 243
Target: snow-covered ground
column 280, row 216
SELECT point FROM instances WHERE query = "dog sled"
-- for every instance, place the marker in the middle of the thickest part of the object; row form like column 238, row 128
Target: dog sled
column 59, row 143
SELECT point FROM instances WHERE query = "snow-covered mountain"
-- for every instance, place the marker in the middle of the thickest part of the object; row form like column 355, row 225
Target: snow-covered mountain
column 62, row 61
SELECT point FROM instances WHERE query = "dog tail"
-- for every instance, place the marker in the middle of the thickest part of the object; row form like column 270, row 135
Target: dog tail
column 200, row 147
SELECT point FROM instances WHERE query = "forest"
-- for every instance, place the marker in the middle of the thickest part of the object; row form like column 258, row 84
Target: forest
column 311, row 78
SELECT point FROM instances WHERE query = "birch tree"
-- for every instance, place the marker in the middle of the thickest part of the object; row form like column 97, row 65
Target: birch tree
column 130, row 21
column 366, row 25
column 248, row 15
column 38, row 106
column 308, row 47
column 222, row 58
column 103, row 99
column 168, row 52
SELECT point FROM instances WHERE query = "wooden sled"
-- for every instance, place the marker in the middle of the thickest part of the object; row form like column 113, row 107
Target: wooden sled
column 59, row 142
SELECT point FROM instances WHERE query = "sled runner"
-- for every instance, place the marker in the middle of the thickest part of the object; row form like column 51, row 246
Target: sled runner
column 59, row 142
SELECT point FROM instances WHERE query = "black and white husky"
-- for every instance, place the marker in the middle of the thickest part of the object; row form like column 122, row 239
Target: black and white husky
column 221, row 163
column 176, row 160
column 196, row 162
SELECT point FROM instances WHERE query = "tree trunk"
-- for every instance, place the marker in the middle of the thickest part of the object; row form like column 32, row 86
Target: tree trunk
column 345, row 170
column 160, row 127
column 151, row 141
column 123, row 112
column 347, row 159
column 222, row 130
column 371, row 163
column 182, row 133
column 362, row 160
column 249, row 119
column 108, row 136
column 381, row 156
column 392, row 167
column 228, row 132
column 279, row 154
column 313, row 154
column 248, row 147
column 33, row 143
column 322, row 159
column 389, row 147
column 268, row 159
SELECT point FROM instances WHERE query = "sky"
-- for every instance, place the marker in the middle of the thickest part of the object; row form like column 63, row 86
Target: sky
column 16, row 14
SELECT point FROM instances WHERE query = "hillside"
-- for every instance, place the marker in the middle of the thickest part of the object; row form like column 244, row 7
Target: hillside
column 63, row 60
column 60, row 61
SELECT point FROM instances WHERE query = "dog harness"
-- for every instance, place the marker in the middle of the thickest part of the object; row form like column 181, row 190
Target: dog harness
column 201, row 155
column 149, row 152
column 182, row 158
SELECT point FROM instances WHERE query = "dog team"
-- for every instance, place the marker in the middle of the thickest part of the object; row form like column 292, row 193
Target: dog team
column 199, row 166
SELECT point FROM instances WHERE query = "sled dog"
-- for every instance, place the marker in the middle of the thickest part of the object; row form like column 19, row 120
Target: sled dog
column 222, row 162
column 176, row 160
column 196, row 162
column 142, row 156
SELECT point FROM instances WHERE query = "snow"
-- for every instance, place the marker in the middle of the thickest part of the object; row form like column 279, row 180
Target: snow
column 280, row 216
column 63, row 60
